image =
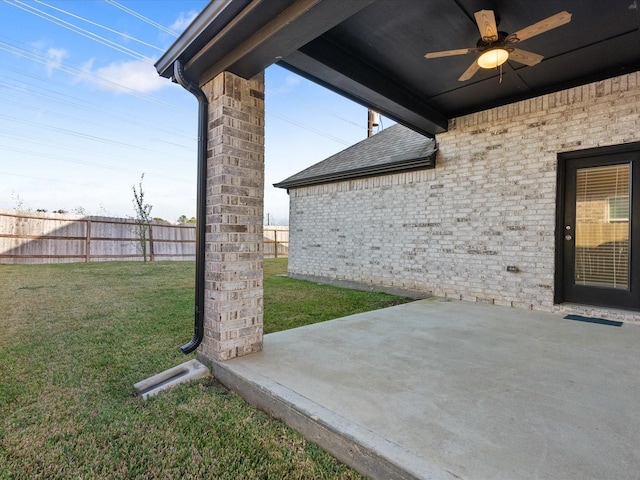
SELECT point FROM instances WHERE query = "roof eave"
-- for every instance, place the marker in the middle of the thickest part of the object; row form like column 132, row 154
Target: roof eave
column 218, row 11
column 246, row 36
column 421, row 163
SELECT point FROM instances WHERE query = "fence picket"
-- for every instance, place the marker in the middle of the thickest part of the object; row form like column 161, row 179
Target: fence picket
column 37, row 237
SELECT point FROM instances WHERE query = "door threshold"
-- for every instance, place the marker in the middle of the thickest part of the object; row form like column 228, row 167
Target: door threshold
column 607, row 313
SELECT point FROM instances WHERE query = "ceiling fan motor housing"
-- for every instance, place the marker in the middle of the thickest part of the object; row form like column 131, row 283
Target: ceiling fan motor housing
column 502, row 41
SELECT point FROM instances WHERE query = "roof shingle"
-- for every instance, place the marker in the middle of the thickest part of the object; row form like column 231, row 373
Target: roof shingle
column 394, row 149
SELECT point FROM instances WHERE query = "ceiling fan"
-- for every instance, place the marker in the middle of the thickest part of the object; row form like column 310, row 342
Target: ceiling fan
column 496, row 46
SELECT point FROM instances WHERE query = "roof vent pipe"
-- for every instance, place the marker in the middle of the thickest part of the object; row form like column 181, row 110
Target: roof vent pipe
column 373, row 120
column 201, row 212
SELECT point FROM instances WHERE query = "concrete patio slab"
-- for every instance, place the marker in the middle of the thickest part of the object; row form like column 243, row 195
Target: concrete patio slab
column 448, row 389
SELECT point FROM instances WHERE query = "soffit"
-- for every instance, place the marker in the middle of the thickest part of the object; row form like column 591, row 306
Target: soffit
column 372, row 51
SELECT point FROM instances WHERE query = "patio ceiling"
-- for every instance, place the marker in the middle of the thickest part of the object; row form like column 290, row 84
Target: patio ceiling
column 372, row 51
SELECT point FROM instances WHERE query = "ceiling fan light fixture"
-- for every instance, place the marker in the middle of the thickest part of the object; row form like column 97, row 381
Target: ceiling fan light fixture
column 493, row 57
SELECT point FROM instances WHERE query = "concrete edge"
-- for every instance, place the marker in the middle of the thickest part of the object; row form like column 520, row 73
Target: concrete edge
column 398, row 291
column 350, row 443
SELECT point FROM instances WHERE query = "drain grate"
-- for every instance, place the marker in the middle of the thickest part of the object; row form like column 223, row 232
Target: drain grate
column 601, row 321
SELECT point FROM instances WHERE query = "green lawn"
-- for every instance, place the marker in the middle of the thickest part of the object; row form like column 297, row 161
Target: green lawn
column 291, row 303
column 74, row 338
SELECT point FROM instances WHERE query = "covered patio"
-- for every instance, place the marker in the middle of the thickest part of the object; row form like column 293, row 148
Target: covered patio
column 447, row 389
column 435, row 388
column 419, row 64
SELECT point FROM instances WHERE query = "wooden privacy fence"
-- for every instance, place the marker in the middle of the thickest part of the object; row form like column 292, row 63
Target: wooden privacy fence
column 30, row 237
column 276, row 241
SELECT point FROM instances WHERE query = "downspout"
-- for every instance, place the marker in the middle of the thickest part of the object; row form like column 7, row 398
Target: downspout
column 201, row 211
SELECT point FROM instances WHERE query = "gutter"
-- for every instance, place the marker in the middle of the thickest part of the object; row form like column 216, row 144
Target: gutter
column 201, row 212
column 421, row 163
column 332, row 169
column 204, row 27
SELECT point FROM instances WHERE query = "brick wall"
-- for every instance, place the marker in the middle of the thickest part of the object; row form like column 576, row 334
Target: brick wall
column 490, row 202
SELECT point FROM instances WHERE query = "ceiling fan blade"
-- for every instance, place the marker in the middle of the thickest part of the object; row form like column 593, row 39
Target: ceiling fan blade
column 524, row 57
column 542, row 26
column 449, row 53
column 486, row 21
column 469, row 72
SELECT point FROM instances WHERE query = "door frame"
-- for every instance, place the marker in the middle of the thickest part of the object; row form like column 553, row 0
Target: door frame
column 634, row 147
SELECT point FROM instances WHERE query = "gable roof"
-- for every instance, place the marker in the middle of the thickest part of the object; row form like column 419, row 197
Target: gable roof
column 395, row 149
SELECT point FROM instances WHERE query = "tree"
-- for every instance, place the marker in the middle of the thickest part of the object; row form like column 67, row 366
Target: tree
column 185, row 219
column 19, row 202
column 143, row 217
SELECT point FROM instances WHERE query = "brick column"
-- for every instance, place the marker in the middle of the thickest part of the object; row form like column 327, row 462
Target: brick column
column 235, row 197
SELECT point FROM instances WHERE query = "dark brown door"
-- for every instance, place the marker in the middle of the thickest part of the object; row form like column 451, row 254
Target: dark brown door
column 599, row 237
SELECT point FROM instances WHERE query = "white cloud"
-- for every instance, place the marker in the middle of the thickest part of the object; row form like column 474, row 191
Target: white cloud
column 183, row 21
column 122, row 77
column 289, row 83
column 54, row 58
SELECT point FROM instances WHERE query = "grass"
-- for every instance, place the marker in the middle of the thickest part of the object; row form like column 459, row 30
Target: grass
column 291, row 303
column 74, row 338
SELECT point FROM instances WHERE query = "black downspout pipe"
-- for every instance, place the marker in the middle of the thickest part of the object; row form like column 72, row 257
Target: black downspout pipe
column 201, row 212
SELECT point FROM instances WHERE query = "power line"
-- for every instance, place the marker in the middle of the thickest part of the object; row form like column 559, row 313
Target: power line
column 77, row 134
column 74, row 71
column 309, row 128
column 122, row 34
column 49, row 179
column 314, row 107
column 38, row 108
column 87, row 185
column 91, row 164
column 294, row 122
column 70, row 132
column 80, row 31
column 142, row 17
column 83, row 74
column 31, row 140
column 75, row 101
column 270, row 92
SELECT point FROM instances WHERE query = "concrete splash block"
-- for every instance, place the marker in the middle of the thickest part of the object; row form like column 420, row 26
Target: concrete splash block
column 182, row 373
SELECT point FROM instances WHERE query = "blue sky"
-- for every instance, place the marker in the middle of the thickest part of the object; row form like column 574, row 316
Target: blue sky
column 84, row 112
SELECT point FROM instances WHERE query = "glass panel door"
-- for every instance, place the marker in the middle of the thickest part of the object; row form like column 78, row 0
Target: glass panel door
column 599, row 229
column 602, row 226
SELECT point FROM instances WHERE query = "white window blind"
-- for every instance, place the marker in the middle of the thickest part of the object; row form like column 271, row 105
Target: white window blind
column 602, row 226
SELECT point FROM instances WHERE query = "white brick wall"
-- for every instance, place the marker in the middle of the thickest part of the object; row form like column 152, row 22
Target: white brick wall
column 489, row 203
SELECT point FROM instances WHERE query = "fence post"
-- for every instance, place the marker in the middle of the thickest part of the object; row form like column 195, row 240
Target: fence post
column 150, row 243
column 87, row 252
column 275, row 243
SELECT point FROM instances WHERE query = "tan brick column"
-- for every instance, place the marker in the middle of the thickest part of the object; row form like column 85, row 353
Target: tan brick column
column 235, row 197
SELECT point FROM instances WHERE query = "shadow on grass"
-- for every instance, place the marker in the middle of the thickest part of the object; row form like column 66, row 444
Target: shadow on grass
column 74, row 338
